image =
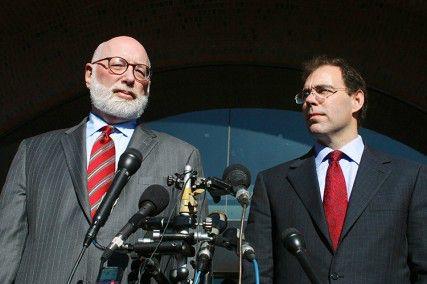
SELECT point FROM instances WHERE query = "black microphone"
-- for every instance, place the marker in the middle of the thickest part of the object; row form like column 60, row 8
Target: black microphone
column 229, row 239
column 240, row 178
column 128, row 164
column 153, row 201
column 294, row 242
column 218, row 222
column 217, row 188
column 204, row 257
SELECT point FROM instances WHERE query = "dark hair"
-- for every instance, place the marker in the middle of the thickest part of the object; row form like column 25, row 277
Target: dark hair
column 351, row 77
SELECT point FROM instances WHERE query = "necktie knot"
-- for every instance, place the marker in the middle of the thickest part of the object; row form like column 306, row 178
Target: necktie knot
column 335, row 156
column 106, row 131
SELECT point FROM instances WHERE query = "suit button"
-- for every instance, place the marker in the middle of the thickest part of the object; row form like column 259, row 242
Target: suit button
column 334, row 276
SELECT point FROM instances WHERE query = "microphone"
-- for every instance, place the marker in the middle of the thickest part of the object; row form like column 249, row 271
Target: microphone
column 204, row 257
column 153, row 201
column 230, row 240
column 218, row 222
column 240, row 178
column 294, row 242
column 128, row 164
column 217, row 188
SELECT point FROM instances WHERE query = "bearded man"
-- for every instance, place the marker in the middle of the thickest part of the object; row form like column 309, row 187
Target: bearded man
column 53, row 188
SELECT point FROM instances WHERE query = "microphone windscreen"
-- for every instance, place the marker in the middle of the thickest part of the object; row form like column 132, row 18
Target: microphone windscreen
column 219, row 222
column 156, row 194
column 130, row 160
column 293, row 240
column 237, row 175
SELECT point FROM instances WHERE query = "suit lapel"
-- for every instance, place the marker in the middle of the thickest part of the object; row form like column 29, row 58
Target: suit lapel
column 303, row 177
column 74, row 145
column 143, row 140
column 370, row 175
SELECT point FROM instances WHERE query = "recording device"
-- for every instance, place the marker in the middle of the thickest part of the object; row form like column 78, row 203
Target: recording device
column 235, row 181
column 152, row 201
column 216, row 223
column 294, row 242
column 177, row 223
column 216, row 187
column 146, row 247
column 204, row 257
column 240, row 178
column 177, row 236
column 229, row 239
column 128, row 164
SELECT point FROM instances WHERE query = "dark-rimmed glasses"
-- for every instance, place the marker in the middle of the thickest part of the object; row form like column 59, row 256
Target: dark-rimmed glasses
column 119, row 66
column 321, row 93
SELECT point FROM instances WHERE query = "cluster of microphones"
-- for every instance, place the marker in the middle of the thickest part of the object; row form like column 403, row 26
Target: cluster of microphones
column 179, row 235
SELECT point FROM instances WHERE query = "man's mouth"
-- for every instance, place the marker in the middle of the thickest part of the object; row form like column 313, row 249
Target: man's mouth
column 314, row 114
column 124, row 94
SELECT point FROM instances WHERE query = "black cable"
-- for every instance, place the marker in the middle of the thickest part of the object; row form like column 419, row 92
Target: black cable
column 98, row 245
column 169, row 220
column 166, row 226
column 70, row 278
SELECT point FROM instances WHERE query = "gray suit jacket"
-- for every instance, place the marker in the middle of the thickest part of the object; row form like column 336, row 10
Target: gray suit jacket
column 44, row 207
column 384, row 239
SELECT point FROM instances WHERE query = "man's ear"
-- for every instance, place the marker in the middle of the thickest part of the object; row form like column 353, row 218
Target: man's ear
column 147, row 90
column 358, row 99
column 88, row 74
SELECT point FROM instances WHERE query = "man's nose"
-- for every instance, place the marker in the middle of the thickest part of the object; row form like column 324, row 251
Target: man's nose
column 128, row 76
column 311, row 98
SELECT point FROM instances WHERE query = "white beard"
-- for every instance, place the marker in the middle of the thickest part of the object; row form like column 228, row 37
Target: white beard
column 104, row 100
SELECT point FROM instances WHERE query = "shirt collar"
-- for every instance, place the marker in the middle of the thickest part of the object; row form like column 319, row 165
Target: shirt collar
column 353, row 151
column 95, row 123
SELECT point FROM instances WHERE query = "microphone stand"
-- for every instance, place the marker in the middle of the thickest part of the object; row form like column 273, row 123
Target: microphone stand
column 188, row 205
column 152, row 270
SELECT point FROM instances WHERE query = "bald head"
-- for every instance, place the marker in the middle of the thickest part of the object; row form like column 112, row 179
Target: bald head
column 122, row 46
column 118, row 97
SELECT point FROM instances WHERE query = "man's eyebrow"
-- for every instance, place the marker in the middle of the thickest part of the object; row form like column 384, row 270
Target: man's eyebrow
column 317, row 86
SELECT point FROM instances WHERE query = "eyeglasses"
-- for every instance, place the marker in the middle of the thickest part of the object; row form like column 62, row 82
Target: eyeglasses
column 118, row 66
column 321, row 93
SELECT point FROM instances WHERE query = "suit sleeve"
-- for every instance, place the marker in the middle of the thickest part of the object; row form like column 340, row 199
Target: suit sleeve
column 259, row 234
column 417, row 229
column 13, row 218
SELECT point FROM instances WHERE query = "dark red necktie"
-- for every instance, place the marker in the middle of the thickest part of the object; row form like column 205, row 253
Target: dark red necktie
column 100, row 171
column 335, row 197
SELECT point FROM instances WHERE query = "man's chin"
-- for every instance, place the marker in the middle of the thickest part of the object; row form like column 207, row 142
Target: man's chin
column 316, row 129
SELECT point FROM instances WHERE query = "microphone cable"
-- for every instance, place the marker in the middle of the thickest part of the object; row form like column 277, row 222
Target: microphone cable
column 256, row 270
column 244, row 206
column 76, row 264
column 197, row 276
column 167, row 223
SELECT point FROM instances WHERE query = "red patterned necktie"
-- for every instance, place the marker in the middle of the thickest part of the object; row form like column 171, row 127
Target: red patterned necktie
column 335, row 197
column 102, row 164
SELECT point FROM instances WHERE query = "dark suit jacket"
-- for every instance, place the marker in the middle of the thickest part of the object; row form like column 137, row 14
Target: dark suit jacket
column 44, row 207
column 384, row 239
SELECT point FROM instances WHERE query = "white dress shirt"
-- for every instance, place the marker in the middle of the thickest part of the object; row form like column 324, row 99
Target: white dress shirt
column 121, row 135
column 349, row 163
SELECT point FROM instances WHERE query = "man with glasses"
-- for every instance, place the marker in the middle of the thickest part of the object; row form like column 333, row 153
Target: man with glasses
column 363, row 214
column 58, row 179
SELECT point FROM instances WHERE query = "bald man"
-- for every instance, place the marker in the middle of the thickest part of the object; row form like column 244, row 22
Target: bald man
column 55, row 183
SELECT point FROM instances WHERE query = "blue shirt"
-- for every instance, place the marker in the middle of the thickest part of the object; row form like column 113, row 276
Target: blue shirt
column 121, row 135
column 349, row 163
